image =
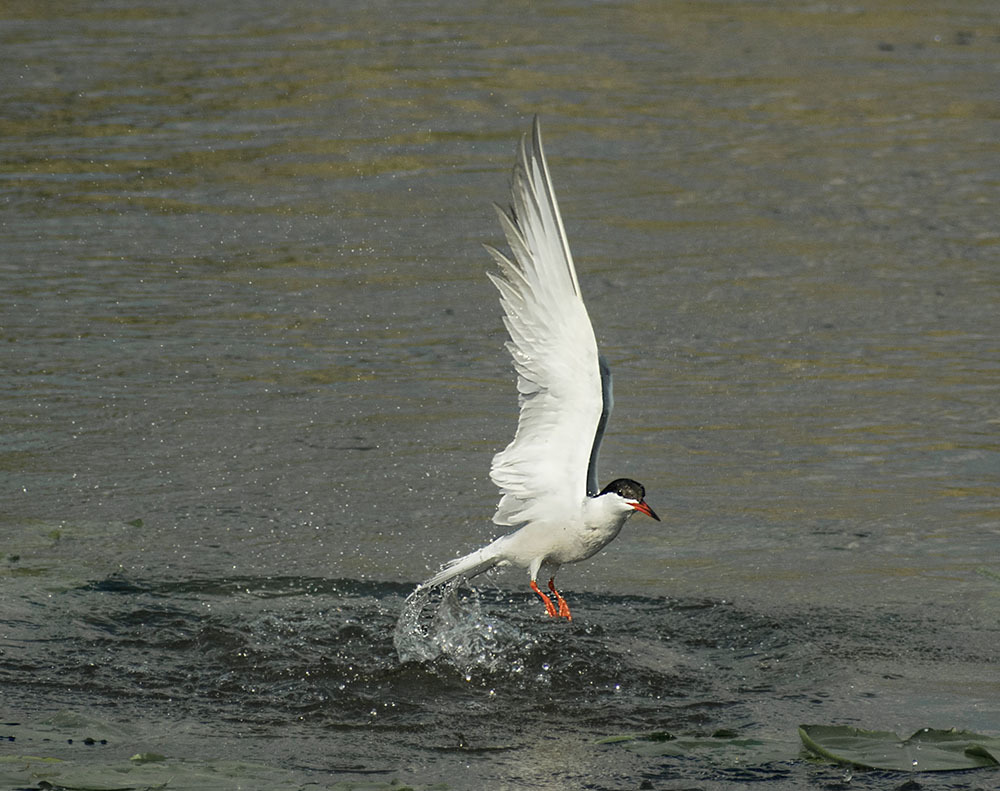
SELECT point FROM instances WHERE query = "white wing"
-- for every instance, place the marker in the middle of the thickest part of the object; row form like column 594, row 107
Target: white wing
column 543, row 473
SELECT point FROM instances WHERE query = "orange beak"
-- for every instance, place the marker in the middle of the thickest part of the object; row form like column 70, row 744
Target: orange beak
column 641, row 506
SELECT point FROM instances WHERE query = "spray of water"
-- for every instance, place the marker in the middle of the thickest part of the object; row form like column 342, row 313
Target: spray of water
column 436, row 624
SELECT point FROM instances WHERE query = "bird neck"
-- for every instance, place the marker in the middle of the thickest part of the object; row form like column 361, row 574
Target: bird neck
column 605, row 512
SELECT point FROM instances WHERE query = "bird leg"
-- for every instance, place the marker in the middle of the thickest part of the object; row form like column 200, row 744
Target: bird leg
column 563, row 607
column 550, row 608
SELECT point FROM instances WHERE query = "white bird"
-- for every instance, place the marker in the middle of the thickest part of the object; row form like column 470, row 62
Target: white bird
column 548, row 475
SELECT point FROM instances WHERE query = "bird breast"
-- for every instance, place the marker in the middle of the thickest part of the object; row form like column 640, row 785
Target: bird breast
column 600, row 524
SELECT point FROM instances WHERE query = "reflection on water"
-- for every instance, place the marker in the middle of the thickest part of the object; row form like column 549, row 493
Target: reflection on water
column 247, row 335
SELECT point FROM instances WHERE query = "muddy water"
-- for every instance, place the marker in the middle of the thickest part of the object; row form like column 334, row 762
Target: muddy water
column 252, row 379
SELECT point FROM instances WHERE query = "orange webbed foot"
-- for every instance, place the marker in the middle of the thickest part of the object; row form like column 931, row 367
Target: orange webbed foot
column 563, row 607
column 550, row 608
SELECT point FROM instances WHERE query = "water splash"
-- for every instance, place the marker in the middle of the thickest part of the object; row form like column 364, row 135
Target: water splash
column 431, row 628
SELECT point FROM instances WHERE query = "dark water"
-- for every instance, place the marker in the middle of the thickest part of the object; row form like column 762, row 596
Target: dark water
column 300, row 674
column 252, row 376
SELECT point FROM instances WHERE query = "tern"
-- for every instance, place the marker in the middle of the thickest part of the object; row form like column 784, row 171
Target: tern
column 547, row 475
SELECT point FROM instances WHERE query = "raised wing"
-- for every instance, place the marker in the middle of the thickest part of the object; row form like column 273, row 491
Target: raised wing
column 544, row 473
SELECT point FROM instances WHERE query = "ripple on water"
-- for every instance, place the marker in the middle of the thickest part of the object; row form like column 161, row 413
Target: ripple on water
column 482, row 669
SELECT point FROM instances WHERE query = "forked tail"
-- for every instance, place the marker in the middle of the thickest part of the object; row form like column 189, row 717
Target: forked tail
column 467, row 566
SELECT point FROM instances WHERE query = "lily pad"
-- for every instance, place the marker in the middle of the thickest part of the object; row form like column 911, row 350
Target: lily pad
column 927, row 750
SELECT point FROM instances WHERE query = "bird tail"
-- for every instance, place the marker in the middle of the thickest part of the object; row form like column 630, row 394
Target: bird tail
column 468, row 566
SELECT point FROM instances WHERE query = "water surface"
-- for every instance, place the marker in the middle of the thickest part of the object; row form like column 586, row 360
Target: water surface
column 253, row 377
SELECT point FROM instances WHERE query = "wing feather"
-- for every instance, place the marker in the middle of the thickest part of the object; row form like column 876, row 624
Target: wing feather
column 549, row 466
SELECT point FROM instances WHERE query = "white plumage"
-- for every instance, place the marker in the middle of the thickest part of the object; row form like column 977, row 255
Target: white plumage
column 547, row 475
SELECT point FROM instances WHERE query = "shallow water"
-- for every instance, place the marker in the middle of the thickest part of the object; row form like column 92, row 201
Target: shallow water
column 253, row 378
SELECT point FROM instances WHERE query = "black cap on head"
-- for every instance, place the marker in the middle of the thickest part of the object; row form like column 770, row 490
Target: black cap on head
column 632, row 491
column 627, row 488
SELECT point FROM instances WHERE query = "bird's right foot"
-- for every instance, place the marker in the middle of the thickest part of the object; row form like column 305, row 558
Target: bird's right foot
column 550, row 608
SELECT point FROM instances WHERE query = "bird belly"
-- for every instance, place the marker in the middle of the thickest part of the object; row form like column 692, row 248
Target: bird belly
column 563, row 544
column 592, row 541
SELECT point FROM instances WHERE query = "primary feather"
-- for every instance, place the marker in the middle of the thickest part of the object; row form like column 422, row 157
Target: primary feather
column 544, row 469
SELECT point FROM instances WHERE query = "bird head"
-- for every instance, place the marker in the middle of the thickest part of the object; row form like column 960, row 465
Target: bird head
column 632, row 492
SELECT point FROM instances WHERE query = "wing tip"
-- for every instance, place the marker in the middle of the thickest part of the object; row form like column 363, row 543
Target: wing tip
column 536, row 137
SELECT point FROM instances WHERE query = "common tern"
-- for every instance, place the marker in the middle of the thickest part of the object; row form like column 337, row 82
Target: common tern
column 547, row 475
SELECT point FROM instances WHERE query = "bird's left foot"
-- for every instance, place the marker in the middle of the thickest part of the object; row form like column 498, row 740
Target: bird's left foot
column 563, row 607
